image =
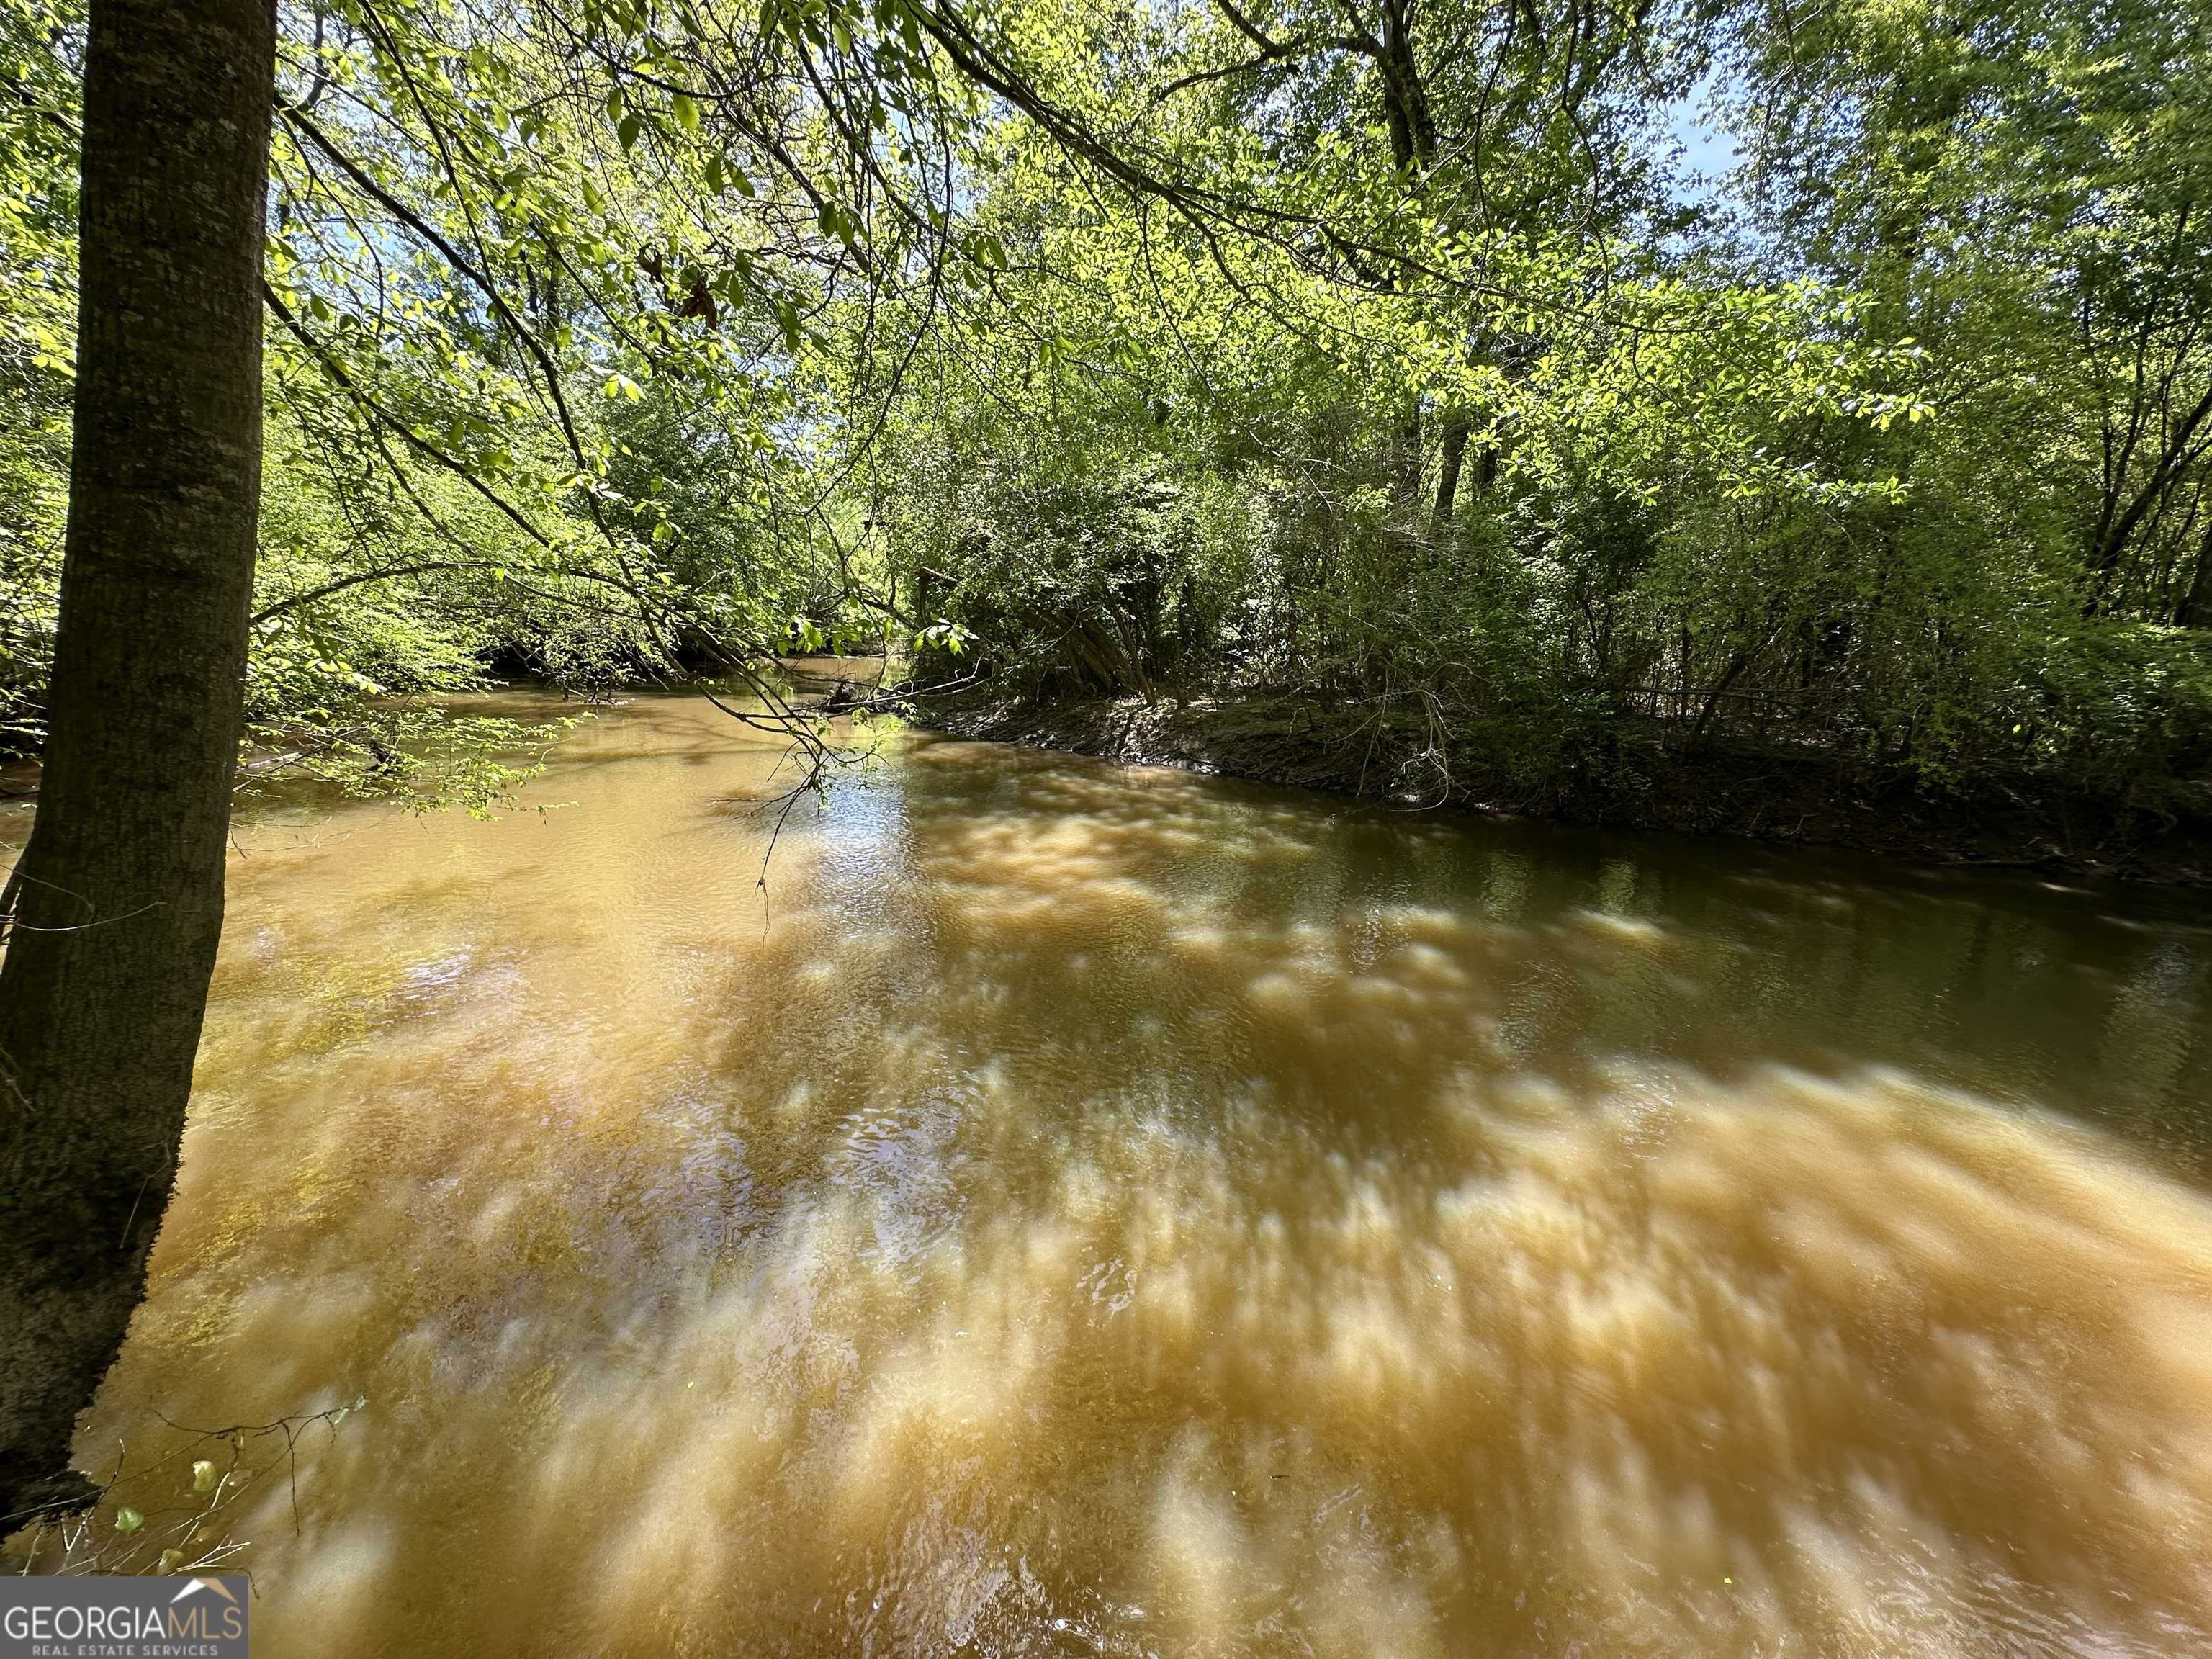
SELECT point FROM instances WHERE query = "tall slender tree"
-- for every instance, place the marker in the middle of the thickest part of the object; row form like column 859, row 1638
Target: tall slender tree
column 115, row 909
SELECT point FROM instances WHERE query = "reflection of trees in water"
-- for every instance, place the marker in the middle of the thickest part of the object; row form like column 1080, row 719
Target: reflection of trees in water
column 2154, row 1024
column 1580, row 947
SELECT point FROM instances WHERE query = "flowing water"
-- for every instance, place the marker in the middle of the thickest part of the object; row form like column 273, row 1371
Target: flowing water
column 1075, row 1210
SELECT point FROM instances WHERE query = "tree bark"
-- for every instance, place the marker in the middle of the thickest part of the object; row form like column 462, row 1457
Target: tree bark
column 117, row 904
column 1405, row 468
column 1455, row 454
column 1413, row 149
column 2196, row 608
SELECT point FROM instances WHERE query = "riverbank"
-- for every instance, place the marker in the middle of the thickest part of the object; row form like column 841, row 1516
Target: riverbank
column 1774, row 795
column 1779, row 796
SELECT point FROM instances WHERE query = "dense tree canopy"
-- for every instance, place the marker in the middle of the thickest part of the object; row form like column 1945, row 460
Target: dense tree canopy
column 1379, row 351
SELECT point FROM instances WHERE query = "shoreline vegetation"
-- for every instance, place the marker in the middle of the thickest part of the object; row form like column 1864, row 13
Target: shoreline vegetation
column 1772, row 795
column 2157, row 834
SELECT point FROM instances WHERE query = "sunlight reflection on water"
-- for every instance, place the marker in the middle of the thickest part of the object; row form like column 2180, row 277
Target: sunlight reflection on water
column 1089, row 1212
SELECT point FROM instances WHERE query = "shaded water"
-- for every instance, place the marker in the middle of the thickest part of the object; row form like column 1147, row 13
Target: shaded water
column 1086, row 1211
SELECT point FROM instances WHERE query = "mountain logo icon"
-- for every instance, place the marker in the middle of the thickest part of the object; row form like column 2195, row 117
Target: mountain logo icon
column 194, row 1586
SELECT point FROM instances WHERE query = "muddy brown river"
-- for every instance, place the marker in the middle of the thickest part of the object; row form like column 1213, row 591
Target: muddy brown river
column 1075, row 1210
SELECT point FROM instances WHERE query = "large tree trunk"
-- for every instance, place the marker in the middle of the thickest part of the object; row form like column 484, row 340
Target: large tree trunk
column 118, row 901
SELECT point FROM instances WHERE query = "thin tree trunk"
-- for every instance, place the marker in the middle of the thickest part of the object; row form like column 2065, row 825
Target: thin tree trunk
column 1455, row 454
column 117, row 903
column 2196, row 610
column 1412, row 149
column 1405, row 468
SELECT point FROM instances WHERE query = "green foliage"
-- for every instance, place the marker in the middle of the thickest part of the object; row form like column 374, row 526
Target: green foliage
column 38, row 285
column 1897, row 450
column 1389, row 356
column 536, row 404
